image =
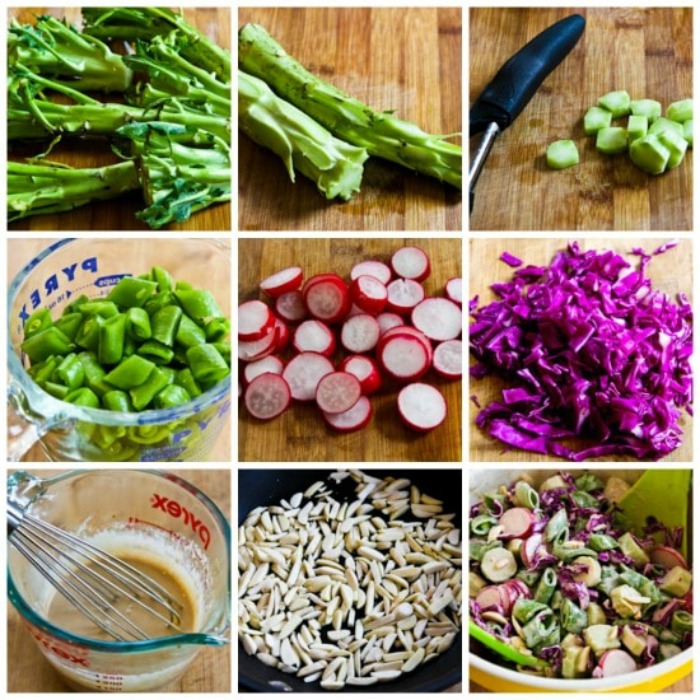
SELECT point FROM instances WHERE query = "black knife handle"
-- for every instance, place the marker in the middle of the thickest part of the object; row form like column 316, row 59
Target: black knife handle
column 516, row 82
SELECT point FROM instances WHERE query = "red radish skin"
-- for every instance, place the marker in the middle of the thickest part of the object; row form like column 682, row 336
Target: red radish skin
column 290, row 307
column 338, row 392
column 304, row 372
column 314, row 336
column 283, row 335
column 447, row 359
column 511, row 591
column 404, row 357
column 365, row 369
column 489, row 598
column 267, row 396
column 667, row 557
column 355, row 311
column 406, row 330
column 403, row 296
column 614, row 662
column 411, row 263
column 453, row 290
column 359, row 333
column 530, row 549
column 440, row 319
column 388, row 320
column 268, row 365
column 255, row 318
column 355, row 419
column 287, row 280
column 251, row 350
column 516, row 523
column 369, row 294
column 373, row 268
column 422, row 407
column 326, row 297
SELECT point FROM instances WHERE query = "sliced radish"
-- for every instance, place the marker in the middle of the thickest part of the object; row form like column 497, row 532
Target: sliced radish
column 251, row 350
column 388, row 320
column 354, row 419
column 411, row 263
column 403, row 296
column 304, row 372
column 338, row 392
column 489, row 598
column 406, row 330
column 268, row 365
column 447, row 359
column 422, row 407
column 369, row 294
column 359, row 333
column 354, row 311
column 290, row 307
column 365, row 369
column 373, row 268
column 255, row 318
column 530, row 549
column 667, row 557
column 511, row 591
column 314, row 336
column 282, row 335
column 516, row 523
column 326, row 297
column 453, row 290
column 267, row 396
column 440, row 319
column 404, row 357
column 614, row 662
column 283, row 281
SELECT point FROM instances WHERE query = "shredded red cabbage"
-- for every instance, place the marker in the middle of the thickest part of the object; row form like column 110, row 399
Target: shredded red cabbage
column 510, row 259
column 590, row 343
column 673, row 537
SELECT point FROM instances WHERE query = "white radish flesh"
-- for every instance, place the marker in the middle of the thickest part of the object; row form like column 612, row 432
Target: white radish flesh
column 369, row 294
column 614, row 662
column 373, row 268
column 365, row 369
column 314, row 336
column 489, row 598
column 453, row 290
column 422, row 407
column 404, row 295
column 530, row 549
column 516, row 523
column 354, row 419
column 338, row 392
column 447, row 359
column 283, row 281
column 290, row 307
column 411, row 263
column 410, row 331
column 270, row 364
column 267, row 396
column 326, row 297
column 359, row 333
column 304, row 372
column 255, row 318
column 440, row 319
column 251, row 350
column 404, row 357
column 387, row 320
column 667, row 557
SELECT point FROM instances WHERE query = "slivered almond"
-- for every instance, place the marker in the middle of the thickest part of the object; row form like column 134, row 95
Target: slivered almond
column 386, row 675
column 414, row 661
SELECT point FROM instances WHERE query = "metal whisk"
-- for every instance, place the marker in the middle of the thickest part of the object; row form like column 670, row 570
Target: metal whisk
column 92, row 580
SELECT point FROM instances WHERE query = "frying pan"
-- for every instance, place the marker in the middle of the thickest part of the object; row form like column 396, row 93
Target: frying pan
column 261, row 487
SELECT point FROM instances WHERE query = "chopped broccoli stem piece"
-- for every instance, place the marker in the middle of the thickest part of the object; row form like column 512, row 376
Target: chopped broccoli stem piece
column 562, row 154
column 680, row 111
column 617, row 102
column 677, row 146
column 637, row 127
column 612, row 140
column 651, row 109
column 595, row 119
column 650, row 154
column 663, row 124
column 688, row 132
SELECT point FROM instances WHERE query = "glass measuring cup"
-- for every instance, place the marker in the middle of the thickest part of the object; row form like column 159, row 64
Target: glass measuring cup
column 90, row 502
column 69, row 433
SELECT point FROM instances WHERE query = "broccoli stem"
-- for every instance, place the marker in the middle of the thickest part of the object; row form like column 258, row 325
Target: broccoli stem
column 380, row 133
column 34, row 189
column 302, row 143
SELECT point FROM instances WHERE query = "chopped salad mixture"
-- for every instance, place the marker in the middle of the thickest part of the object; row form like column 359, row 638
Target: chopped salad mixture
column 557, row 575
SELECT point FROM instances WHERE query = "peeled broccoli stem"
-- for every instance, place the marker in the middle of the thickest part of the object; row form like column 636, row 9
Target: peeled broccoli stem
column 301, row 142
column 380, row 133
column 48, row 188
column 54, row 49
column 130, row 23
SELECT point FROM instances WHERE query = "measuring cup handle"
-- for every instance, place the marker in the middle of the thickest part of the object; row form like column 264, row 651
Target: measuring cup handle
column 24, row 429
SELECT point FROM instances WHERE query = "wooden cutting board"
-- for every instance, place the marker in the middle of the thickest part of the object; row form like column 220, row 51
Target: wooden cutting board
column 647, row 52
column 389, row 58
column 29, row 672
column 118, row 214
column 670, row 273
column 300, row 433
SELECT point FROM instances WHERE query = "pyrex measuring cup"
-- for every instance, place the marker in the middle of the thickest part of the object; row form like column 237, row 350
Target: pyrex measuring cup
column 70, row 433
column 90, row 502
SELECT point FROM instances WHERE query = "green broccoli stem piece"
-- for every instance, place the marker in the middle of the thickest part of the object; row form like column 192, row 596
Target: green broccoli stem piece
column 302, row 143
column 46, row 188
column 54, row 49
column 130, row 23
column 380, row 133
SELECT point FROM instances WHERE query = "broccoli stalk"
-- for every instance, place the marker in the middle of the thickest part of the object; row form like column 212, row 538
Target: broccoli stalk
column 57, row 50
column 380, row 133
column 47, row 188
column 302, row 143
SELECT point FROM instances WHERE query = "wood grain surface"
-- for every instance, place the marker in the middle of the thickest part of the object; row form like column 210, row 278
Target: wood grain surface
column 389, row 58
column 20, row 251
column 647, row 52
column 28, row 671
column 671, row 273
column 300, row 434
column 118, row 214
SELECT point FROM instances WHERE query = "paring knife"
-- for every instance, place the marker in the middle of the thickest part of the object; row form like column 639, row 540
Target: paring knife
column 515, row 83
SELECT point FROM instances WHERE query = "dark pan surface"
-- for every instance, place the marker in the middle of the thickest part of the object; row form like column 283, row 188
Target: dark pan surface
column 258, row 487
